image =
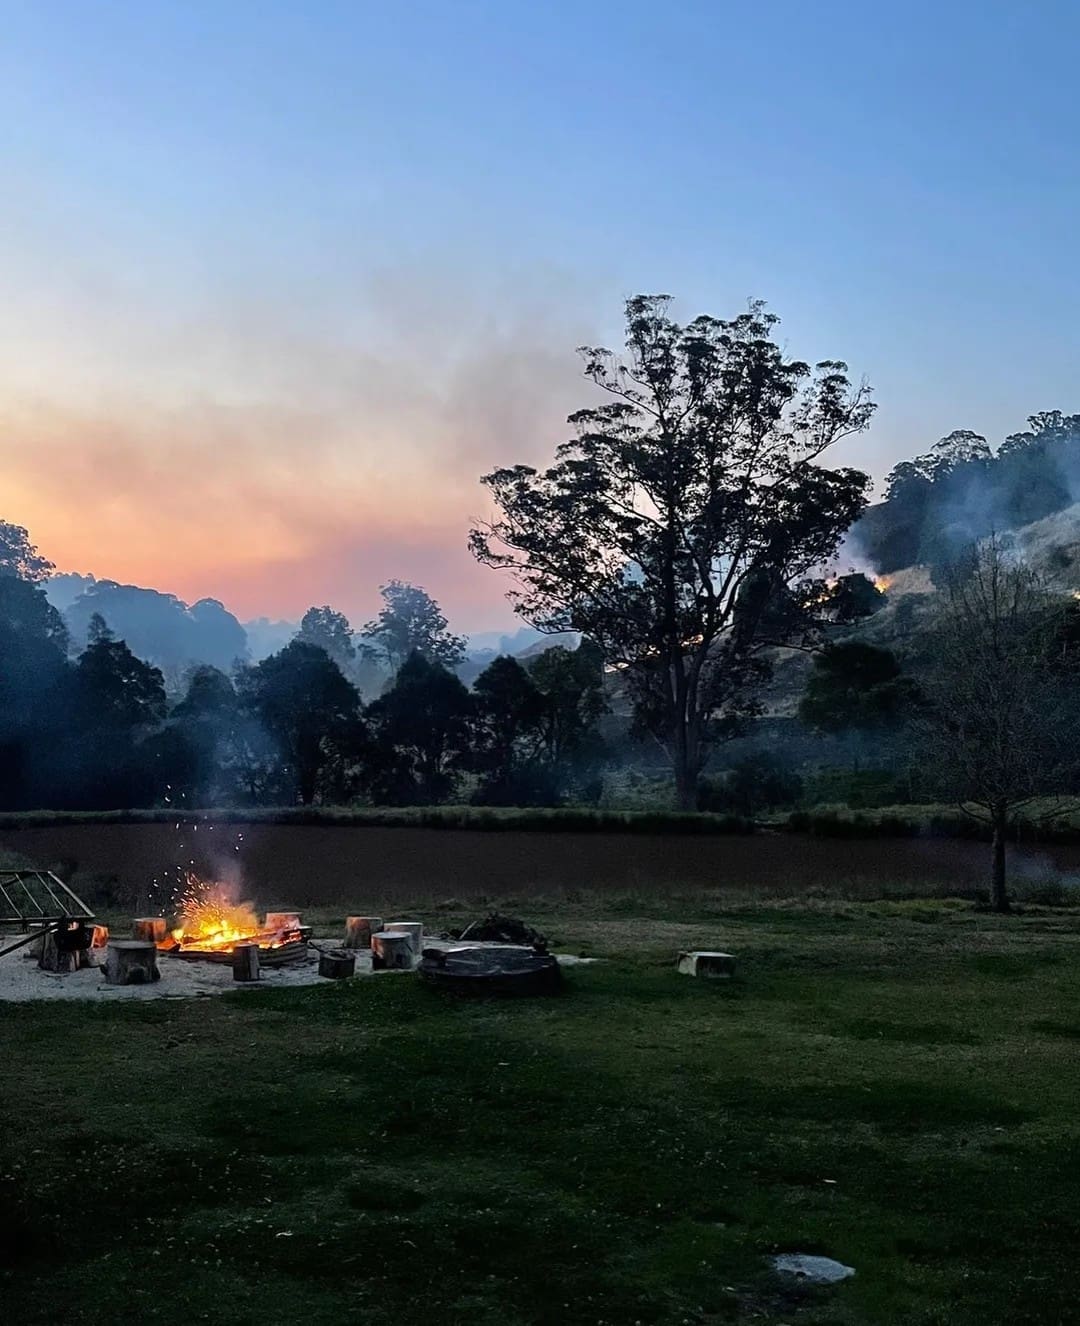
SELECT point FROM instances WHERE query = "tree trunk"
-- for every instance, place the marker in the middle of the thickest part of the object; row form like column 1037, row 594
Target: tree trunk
column 686, row 784
column 687, row 763
column 999, row 899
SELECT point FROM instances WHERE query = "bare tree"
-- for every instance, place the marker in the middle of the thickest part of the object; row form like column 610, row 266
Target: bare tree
column 994, row 730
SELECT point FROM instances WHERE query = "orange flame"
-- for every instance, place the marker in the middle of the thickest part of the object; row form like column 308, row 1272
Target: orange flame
column 209, row 919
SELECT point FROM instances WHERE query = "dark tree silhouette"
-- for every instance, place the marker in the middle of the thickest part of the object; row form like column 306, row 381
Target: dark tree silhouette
column 117, row 692
column 571, row 682
column 680, row 519
column 423, row 726
column 329, row 630
column 856, row 687
column 210, row 696
column 19, row 557
column 760, row 781
column 98, row 630
column 509, row 728
column 34, row 682
column 410, row 622
column 116, row 704
column 202, row 729
column 308, row 707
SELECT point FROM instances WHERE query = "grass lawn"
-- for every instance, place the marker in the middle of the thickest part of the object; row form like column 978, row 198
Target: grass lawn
column 894, row 1085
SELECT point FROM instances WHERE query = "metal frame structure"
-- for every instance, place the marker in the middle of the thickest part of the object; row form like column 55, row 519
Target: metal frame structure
column 35, row 902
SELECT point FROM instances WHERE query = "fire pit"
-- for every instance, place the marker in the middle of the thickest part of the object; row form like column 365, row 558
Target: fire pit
column 210, row 923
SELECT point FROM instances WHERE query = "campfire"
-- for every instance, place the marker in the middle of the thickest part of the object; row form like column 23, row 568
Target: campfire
column 210, row 922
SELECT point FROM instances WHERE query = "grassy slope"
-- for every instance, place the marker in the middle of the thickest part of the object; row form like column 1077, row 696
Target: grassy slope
column 890, row 1084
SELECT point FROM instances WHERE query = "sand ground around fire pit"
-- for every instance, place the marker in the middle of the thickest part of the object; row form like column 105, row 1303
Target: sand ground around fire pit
column 22, row 980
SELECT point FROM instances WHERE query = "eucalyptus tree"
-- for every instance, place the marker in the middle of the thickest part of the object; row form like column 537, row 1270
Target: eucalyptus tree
column 681, row 526
column 410, row 621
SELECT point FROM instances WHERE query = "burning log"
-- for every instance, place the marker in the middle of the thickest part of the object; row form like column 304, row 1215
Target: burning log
column 152, row 928
column 337, row 965
column 414, row 929
column 211, row 924
column 245, row 962
column 359, row 929
column 392, row 950
column 131, row 962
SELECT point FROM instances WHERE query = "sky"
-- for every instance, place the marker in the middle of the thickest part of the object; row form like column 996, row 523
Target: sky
column 280, row 281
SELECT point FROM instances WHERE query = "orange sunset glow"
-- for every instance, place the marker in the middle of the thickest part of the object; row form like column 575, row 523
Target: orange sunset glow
column 279, row 472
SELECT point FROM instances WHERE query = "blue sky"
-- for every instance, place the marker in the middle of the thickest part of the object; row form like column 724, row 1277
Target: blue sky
column 283, row 279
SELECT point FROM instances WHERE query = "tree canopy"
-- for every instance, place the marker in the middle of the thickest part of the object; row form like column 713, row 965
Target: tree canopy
column 307, row 707
column 855, row 686
column 423, row 725
column 509, row 713
column 941, row 502
column 19, row 557
column 676, row 527
column 410, row 622
column 329, row 630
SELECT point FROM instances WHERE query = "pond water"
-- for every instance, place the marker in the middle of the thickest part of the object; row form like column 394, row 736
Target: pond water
column 358, row 868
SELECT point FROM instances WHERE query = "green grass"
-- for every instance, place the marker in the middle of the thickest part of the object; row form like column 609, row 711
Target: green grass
column 1050, row 820
column 891, row 1084
column 583, row 819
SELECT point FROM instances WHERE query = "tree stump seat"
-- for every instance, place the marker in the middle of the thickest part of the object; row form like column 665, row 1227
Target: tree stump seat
column 337, row 965
column 392, row 950
column 131, row 962
column 415, row 931
column 359, row 929
column 706, row 962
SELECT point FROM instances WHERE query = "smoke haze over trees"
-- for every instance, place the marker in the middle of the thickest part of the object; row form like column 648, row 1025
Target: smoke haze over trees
column 960, row 491
column 86, row 723
column 671, row 566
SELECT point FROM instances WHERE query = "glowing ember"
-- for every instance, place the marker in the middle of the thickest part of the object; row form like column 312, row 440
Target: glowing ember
column 211, row 920
column 882, row 583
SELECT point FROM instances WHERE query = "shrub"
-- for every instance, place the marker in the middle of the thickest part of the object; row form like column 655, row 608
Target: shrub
column 759, row 782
